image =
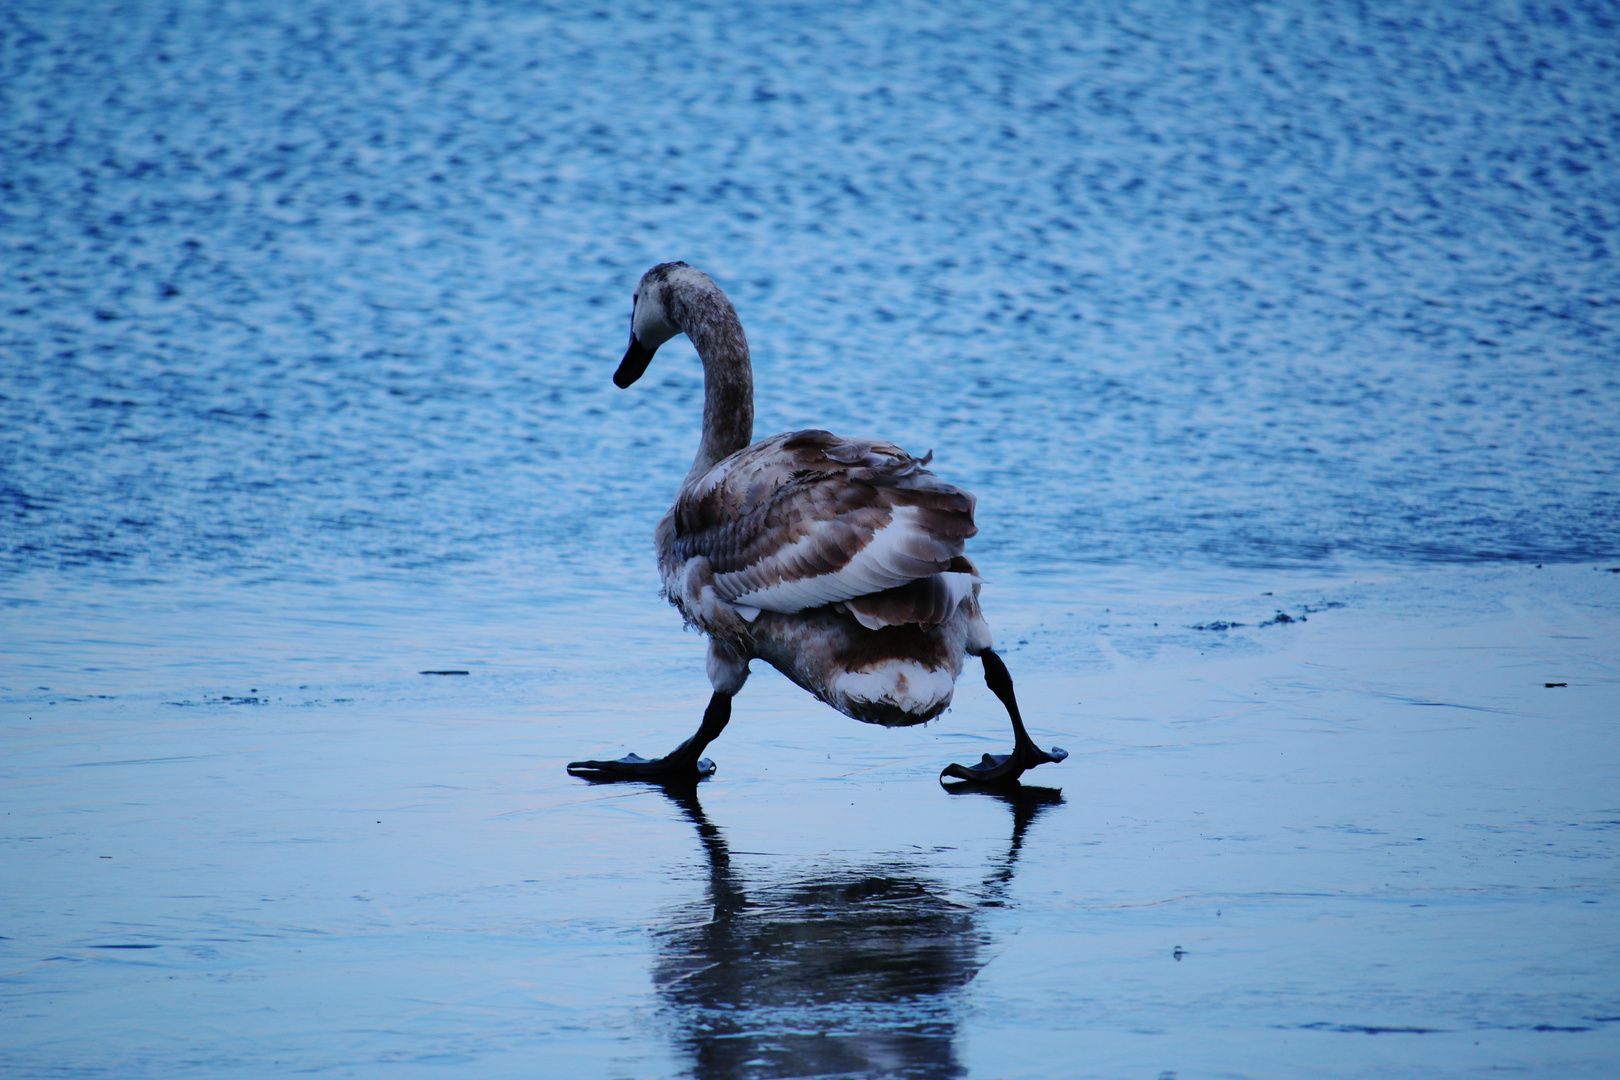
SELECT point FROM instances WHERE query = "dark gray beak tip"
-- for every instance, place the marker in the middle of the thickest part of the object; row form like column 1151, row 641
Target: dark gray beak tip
column 634, row 364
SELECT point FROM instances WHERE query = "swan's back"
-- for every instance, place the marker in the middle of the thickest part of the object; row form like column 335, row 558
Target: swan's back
column 809, row 518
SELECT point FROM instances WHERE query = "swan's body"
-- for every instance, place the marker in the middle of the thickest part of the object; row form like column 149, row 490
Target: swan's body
column 838, row 561
column 860, row 534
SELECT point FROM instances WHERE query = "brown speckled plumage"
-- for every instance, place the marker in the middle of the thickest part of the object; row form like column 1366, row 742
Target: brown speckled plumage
column 806, row 505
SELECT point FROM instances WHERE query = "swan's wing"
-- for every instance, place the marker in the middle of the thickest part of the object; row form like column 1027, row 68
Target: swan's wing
column 927, row 601
column 809, row 518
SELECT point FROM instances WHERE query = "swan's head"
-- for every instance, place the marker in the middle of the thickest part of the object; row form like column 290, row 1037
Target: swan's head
column 651, row 324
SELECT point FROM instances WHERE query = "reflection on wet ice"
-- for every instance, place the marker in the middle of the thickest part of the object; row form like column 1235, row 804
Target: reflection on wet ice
column 853, row 970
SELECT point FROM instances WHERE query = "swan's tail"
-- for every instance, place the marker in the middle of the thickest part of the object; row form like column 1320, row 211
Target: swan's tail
column 895, row 693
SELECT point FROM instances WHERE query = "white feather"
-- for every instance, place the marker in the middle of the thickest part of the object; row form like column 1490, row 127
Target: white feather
column 905, row 684
column 871, row 570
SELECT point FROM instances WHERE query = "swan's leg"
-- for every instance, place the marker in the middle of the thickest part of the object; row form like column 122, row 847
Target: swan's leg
column 685, row 761
column 1004, row 768
column 728, row 670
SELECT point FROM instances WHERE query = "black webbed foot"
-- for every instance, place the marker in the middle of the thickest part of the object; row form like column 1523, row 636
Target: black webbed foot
column 636, row 767
column 684, row 763
column 1003, row 769
column 998, row 769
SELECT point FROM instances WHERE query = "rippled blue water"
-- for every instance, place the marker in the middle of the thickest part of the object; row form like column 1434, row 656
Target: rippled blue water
column 316, row 289
column 307, row 317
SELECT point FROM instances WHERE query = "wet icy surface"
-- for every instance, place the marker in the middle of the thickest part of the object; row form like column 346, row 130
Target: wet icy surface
column 257, row 842
column 306, row 321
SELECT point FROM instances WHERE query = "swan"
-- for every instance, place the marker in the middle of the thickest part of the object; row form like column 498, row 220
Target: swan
column 837, row 561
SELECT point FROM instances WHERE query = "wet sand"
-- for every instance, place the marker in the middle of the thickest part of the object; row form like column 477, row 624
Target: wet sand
column 1369, row 842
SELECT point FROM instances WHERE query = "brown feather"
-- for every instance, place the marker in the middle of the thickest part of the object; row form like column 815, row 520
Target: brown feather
column 805, row 505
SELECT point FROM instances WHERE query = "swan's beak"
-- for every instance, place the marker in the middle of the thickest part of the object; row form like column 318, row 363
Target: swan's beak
column 636, row 359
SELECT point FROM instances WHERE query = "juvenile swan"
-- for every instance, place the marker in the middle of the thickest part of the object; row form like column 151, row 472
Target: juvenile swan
column 838, row 561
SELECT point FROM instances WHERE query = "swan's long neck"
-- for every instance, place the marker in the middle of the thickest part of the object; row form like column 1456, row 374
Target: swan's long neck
column 708, row 318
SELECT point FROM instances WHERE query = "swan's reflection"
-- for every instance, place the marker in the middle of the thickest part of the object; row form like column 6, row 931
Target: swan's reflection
column 853, row 972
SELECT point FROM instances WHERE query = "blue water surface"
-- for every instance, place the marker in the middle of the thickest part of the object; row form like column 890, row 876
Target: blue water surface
column 316, row 289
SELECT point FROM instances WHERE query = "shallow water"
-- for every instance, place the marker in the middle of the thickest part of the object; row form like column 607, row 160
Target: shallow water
column 309, row 316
